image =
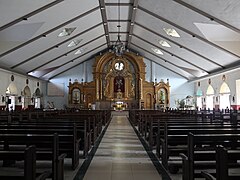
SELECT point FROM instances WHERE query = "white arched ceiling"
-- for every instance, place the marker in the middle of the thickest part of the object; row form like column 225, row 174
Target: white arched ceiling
column 208, row 42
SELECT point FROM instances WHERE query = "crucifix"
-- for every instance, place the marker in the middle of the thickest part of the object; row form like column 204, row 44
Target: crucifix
column 119, row 84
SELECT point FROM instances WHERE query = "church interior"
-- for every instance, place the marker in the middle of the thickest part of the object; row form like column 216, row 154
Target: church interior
column 119, row 89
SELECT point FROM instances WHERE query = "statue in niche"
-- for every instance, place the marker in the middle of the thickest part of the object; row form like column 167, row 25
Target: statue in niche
column 161, row 96
column 106, row 86
column 132, row 93
column 76, row 96
column 119, row 84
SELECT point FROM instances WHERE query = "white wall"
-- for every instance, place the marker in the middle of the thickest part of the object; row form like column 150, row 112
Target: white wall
column 20, row 83
column 82, row 71
column 217, row 81
column 180, row 87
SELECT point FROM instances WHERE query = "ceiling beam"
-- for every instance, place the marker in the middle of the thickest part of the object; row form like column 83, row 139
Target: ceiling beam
column 209, row 16
column 43, row 35
column 180, row 46
column 115, row 32
column 116, row 20
column 56, row 46
column 116, row 4
column 25, row 17
column 64, row 54
column 131, row 24
column 187, row 31
column 165, row 67
column 162, row 60
column 171, row 54
column 104, row 19
column 74, row 60
column 218, row 73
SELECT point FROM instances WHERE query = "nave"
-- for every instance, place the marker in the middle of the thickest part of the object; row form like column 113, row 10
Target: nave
column 121, row 155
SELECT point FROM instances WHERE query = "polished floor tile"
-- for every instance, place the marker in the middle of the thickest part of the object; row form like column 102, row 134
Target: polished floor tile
column 120, row 155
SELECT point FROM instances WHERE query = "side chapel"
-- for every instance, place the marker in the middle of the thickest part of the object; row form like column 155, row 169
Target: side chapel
column 119, row 83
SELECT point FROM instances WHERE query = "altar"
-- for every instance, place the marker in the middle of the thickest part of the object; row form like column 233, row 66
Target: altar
column 119, row 83
column 119, row 106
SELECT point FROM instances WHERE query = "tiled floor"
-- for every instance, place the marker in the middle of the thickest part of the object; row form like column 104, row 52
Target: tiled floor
column 120, row 155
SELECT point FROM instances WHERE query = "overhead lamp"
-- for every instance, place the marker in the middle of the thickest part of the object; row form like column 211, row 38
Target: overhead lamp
column 118, row 46
column 157, row 51
column 164, row 43
column 74, row 42
column 66, row 32
column 171, row 32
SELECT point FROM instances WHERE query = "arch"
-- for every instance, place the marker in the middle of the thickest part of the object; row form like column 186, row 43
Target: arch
column 199, row 95
column 224, row 98
column 199, row 92
column 38, row 92
column 37, row 101
column 210, row 90
column 209, row 98
column 27, row 92
column 224, row 89
column 12, row 90
column 26, row 100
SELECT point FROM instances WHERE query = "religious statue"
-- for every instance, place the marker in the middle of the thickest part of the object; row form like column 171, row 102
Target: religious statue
column 132, row 93
column 119, row 84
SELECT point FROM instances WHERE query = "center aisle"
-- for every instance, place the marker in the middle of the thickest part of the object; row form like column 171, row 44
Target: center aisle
column 120, row 155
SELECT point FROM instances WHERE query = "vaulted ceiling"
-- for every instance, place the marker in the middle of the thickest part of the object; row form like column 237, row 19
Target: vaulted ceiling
column 46, row 38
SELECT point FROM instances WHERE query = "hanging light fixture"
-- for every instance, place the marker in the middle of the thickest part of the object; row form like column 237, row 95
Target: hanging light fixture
column 118, row 46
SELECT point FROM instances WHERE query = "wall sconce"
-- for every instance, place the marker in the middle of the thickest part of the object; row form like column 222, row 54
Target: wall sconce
column 3, row 98
column 233, row 98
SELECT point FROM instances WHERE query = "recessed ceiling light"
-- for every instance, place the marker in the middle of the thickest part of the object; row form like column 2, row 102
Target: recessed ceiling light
column 66, row 32
column 157, row 51
column 79, row 51
column 164, row 43
column 171, row 32
column 74, row 42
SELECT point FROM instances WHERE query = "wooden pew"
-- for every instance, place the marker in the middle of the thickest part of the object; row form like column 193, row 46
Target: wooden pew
column 47, row 148
column 175, row 141
column 201, row 148
column 225, row 159
column 69, row 139
column 29, row 171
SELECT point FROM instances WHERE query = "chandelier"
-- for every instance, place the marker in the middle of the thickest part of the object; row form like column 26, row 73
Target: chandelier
column 118, row 46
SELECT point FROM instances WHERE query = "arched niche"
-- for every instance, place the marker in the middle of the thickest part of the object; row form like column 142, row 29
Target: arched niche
column 199, row 98
column 210, row 97
column 37, row 98
column 26, row 97
column 11, row 93
column 210, row 90
column 12, row 90
column 76, row 93
column 224, row 89
column 38, row 92
column 80, row 94
column 162, row 90
column 224, row 96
